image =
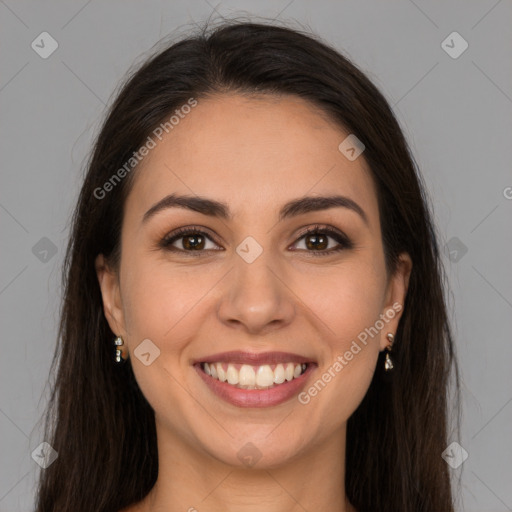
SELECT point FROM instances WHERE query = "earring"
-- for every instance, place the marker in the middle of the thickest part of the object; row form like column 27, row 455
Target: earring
column 388, row 363
column 119, row 343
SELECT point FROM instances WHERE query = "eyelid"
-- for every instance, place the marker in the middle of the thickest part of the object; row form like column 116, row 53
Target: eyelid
column 343, row 241
column 341, row 238
column 178, row 233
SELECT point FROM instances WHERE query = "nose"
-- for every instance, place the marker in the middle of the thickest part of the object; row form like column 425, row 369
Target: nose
column 256, row 298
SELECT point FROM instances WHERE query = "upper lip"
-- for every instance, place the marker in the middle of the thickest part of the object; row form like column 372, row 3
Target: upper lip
column 252, row 358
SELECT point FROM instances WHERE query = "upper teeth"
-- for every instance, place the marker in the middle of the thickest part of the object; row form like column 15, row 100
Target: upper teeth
column 250, row 376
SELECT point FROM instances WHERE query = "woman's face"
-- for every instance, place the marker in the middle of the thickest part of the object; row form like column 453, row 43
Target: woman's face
column 249, row 282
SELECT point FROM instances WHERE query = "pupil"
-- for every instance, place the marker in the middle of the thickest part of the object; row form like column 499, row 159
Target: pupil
column 315, row 244
column 193, row 245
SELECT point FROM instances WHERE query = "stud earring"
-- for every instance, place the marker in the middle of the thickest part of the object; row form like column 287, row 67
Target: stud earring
column 119, row 343
column 388, row 363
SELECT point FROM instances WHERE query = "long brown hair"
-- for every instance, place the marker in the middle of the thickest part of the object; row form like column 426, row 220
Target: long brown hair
column 98, row 420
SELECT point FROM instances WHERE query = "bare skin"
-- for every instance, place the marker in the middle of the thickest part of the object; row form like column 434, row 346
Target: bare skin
column 255, row 155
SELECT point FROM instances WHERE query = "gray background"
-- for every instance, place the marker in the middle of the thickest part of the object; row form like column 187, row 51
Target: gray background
column 456, row 114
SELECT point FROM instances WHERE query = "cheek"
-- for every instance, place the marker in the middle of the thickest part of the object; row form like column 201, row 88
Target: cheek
column 156, row 297
column 157, row 307
column 346, row 300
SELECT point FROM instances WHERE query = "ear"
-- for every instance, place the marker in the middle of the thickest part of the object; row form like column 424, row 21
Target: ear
column 110, row 291
column 395, row 297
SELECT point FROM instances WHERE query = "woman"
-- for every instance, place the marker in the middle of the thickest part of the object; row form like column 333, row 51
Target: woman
column 254, row 315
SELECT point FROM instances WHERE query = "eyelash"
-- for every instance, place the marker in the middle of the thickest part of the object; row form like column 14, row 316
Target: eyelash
column 343, row 241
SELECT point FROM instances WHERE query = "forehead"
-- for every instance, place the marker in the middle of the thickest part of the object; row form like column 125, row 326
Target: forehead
column 253, row 153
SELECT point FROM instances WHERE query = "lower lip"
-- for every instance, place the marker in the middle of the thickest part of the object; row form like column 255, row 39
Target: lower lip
column 256, row 397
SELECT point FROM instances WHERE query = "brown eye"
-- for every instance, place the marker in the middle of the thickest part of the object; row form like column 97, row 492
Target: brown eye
column 193, row 241
column 189, row 240
column 317, row 239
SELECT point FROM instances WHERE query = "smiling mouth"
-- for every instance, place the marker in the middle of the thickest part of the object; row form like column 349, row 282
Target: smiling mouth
column 245, row 376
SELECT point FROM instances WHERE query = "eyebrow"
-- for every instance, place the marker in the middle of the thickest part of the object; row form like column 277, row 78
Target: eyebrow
column 221, row 210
